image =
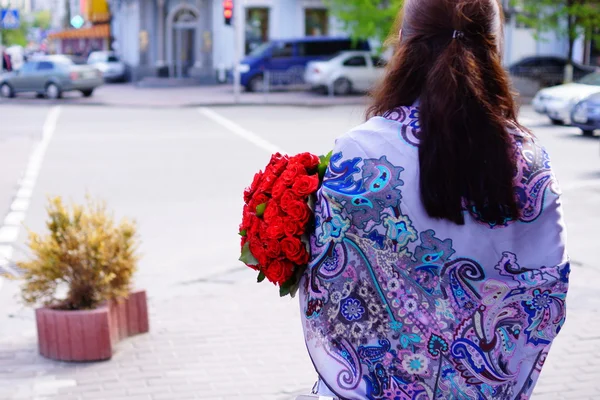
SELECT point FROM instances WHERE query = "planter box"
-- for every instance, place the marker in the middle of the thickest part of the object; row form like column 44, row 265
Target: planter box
column 90, row 335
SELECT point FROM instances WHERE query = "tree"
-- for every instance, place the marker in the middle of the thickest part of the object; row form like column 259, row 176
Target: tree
column 567, row 18
column 42, row 19
column 366, row 19
column 12, row 37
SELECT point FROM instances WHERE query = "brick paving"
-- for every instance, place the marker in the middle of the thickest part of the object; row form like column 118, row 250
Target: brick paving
column 226, row 337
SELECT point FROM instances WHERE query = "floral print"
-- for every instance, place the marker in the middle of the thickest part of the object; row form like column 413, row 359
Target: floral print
column 397, row 305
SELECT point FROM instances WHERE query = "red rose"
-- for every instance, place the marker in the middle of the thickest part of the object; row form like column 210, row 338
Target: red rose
column 253, row 187
column 272, row 248
column 279, row 189
column 267, row 182
column 246, row 219
column 286, row 199
column 257, row 200
column 273, row 211
column 258, row 251
column 306, row 185
column 278, row 163
column 275, row 230
column 292, row 172
column 295, row 250
column 279, row 271
column 292, row 227
column 298, row 211
column 310, row 161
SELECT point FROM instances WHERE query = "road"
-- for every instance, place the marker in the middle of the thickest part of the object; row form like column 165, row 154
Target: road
column 180, row 173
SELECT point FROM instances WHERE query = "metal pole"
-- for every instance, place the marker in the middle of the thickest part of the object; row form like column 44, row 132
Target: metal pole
column 238, row 24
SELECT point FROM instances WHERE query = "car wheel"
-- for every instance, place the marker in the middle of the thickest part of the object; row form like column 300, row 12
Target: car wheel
column 558, row 122
column 53, row 92
column 6, row 90
column 342, row 87
column 87, row 93
column 587, row 132
column 256, row 84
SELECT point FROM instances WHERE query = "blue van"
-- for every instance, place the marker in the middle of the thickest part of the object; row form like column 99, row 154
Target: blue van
column 284, row 60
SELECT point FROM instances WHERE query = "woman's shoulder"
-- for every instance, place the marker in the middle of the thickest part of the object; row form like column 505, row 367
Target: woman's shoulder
column 390, row 132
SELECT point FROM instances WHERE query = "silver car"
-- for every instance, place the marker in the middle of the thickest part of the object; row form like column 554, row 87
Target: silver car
column 51, row 76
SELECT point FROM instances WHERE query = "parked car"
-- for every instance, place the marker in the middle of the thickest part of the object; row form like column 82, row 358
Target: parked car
column 557, row 102
column 586, row 114
column 112, row 68
column 345, row 72
column 549, row 70
column 285, row 60
column 51, row 76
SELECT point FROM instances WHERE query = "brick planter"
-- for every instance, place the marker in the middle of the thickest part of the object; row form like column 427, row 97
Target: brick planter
column 90, row 335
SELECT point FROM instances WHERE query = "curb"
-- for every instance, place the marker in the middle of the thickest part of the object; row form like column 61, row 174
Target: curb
column 361, row 102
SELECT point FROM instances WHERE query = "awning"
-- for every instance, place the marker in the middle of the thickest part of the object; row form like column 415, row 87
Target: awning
column 100, row 31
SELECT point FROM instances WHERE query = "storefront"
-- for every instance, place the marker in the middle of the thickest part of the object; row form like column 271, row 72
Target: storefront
column 81, row 42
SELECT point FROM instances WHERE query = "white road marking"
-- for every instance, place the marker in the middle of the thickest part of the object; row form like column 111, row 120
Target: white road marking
column 241, row 132
column 14, row 218
column 20, row 204
column 8, row 234
column 9, row 231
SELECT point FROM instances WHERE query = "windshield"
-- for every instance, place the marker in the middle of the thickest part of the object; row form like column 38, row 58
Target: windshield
column 591, row 79
column 257, row 52
column 331, row 57
column 112, row 58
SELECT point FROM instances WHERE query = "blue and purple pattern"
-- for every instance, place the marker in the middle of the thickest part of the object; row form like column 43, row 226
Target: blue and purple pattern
column 399, row 306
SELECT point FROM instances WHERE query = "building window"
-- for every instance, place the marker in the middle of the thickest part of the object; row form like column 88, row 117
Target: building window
column 316, row 22
column 257, row 27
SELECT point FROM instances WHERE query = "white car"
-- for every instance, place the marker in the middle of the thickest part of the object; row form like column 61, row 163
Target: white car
column 345, row 72
column 557, row 102
column 109, row 64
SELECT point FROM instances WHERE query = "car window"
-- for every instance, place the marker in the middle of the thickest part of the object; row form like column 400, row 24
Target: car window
column 552, row 62
column 378, row 62
column 260, row 50
column 283, row 50
column 95, row 58
column 45, row 66
column 591, row 79
column 529, row 63
column 28, row 67
column 112, row 58
column 356, row 61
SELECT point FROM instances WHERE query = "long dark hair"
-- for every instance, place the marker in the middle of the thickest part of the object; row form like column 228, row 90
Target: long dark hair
column 448, row 58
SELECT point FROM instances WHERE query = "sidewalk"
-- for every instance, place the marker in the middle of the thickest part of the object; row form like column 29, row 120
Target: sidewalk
column 127, row 95
column 219, row 346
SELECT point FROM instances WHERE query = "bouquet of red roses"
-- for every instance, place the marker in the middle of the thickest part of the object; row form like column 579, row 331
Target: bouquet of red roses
column 277, row 217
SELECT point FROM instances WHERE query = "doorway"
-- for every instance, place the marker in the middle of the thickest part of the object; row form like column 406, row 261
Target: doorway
column 184, row 45
column 182, row 40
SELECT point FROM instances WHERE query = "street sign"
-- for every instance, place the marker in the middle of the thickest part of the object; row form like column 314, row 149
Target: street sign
column 9, row 19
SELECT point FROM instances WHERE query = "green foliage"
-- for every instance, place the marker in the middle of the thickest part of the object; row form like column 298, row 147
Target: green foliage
column 567, row 18
column 366, row 18
column 12, row 37
column 42, row 19
column 86, row 252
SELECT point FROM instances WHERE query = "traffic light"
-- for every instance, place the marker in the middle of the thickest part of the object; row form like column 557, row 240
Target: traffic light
column 228, row 11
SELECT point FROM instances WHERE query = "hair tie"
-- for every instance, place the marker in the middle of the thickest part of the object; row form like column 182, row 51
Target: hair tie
column 458, row 35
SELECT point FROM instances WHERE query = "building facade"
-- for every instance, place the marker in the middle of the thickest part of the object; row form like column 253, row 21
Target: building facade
column 189, row 38
column 179, row 38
